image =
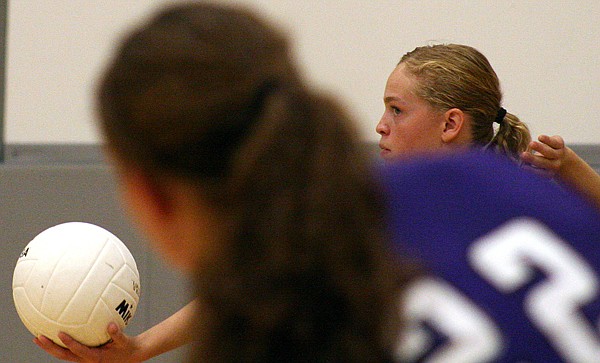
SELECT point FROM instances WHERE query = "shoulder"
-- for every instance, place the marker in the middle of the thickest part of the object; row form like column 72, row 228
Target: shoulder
column 513, row 260
column 473, row 192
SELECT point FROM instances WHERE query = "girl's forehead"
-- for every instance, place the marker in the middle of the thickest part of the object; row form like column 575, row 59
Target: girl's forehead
column 400, row 85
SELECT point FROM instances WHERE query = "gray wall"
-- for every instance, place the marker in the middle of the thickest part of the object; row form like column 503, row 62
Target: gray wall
column 41, row 186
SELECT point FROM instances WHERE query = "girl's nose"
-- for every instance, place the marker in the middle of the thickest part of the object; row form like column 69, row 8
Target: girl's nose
column 382, row 128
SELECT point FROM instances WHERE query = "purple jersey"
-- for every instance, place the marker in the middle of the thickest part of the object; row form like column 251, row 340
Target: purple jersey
column 514, row 262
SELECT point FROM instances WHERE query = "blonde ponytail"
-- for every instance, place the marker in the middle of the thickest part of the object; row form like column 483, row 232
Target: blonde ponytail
column 512, row 137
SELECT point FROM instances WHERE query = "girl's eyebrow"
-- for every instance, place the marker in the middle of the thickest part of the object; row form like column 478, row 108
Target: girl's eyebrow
column 389, row 99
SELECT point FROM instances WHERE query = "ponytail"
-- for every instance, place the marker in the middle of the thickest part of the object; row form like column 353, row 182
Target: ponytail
column 512, row 137
column 308, row 274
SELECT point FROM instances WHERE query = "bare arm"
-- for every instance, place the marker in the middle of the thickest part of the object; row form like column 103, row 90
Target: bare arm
column 171, row 333
column 551, row 154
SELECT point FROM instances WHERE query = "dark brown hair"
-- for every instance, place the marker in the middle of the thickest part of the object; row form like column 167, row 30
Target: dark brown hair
column 455, row 75
column 210, row 94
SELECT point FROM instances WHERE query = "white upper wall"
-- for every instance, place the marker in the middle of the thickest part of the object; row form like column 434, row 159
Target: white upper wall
column 546, row 54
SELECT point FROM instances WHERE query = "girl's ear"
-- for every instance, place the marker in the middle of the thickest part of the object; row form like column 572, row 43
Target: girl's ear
column 177, row 222
column 148, row 202
column 454, row 126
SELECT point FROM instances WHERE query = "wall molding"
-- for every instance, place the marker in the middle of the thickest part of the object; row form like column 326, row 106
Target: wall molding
column 24, row 154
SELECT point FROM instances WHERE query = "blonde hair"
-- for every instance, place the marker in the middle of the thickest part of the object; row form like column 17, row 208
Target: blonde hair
column 459, row 76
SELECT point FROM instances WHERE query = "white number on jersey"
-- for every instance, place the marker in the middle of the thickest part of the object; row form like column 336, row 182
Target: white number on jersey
column 473, row 337
column 507, row 258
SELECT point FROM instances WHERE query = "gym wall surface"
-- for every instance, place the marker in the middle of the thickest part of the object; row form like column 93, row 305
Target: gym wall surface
column 543, row 52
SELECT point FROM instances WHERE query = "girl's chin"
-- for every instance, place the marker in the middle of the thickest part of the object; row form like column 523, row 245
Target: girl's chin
column 386, row 154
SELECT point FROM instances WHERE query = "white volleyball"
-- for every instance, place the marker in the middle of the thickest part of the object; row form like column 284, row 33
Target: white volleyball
column 76, row 278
